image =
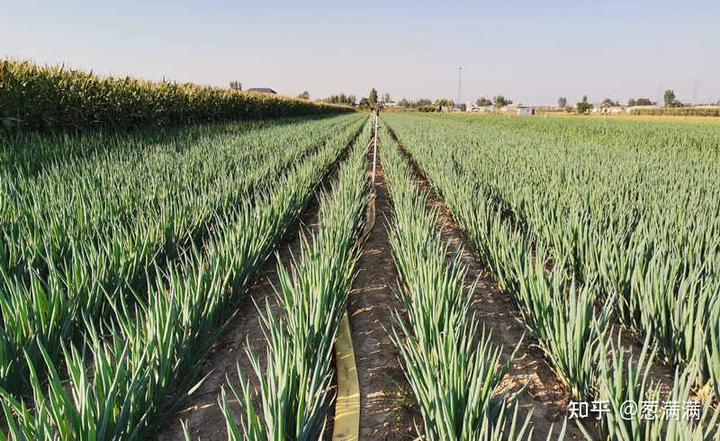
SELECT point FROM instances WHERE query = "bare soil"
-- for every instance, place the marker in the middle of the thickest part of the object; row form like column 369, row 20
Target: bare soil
column 388, row 410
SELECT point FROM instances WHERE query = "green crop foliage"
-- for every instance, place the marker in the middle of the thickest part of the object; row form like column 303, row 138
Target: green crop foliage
column 558, row 313
column 451, row 366
column 57, row 98
column 677, row 111
column 295, row 386
column 628, row 380
column 138, row 361
column 620, row 214
column 78, row 249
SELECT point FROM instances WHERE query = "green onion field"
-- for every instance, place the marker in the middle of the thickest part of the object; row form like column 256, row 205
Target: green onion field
column 182, row 270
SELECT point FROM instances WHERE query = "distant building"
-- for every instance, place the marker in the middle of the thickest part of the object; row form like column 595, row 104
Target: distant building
column 481, row 109
column 525, row 111
column 615, row 110
column 549, row 109
column 262, row 90
column 599, row 109
column 629, row 110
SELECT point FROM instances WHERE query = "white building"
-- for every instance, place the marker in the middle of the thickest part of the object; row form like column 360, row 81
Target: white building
column 630, row 110
column 480, row 109
column 615, row 110
column 525, row 111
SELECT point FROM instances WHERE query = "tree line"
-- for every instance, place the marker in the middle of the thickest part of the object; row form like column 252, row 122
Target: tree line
column 499, row 101
column 583, row 106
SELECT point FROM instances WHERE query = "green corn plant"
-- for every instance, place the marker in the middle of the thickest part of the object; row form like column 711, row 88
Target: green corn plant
column 57, row 98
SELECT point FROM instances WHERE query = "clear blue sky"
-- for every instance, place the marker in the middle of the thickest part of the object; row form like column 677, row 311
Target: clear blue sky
column 532, row 51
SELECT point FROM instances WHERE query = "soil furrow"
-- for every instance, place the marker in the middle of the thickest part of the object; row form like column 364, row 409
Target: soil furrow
column 543, row 393
column 201, row 412
column 228, row 356
column 388, row 410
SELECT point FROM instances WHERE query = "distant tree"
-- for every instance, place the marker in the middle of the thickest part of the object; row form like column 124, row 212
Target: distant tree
column 583, row 106
column 372, row 97
column 348, row 100
column 463, row 107
column 386, row 98
column 642, row 101
column 562, row 102
column 669, row 98
column 444, row 102
column 607, row 102
column 235, row 85
column 501, row 101
column 483, row 102
column 422, row 102
column 305, row 95
column 364, row 103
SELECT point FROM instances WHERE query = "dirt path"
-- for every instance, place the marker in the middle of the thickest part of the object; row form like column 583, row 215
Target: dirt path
column 493, row 308
column 387, row 403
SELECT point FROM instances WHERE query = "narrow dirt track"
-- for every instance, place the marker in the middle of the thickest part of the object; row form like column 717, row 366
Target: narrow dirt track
column 388, row 410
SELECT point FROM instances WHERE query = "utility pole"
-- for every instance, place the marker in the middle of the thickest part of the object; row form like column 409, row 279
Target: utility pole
column 459, row 85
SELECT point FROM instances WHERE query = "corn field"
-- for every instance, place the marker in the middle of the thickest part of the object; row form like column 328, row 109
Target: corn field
column 59, row 98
